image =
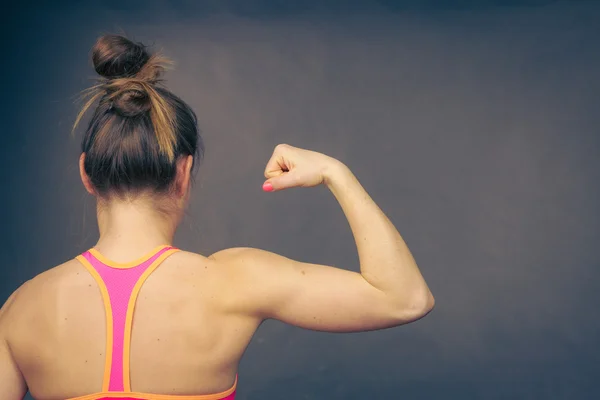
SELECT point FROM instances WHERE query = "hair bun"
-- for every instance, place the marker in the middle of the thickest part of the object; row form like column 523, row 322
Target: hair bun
column 115, row 57
column 132, row 74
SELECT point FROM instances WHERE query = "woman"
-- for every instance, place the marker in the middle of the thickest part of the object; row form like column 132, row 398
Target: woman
column 70, row 332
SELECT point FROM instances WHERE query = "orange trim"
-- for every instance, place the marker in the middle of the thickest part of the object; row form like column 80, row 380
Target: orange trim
column 109, row 319
column 129, row 317
column 148, row 396
column 131, row 264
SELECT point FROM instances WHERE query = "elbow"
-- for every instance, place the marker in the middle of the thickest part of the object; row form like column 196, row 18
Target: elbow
column 422, row 304
column 416, row 306
column 428, row 303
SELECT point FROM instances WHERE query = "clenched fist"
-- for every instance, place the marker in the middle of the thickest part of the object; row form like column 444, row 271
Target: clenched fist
column 295, row 167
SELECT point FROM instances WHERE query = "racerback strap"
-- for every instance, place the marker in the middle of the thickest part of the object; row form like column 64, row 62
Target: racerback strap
column 120, row 285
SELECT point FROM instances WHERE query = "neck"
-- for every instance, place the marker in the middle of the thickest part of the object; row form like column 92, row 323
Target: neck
column 135, row 225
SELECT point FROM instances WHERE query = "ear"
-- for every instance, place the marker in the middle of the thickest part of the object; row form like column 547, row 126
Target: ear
column 184, row 175
column 87, row 183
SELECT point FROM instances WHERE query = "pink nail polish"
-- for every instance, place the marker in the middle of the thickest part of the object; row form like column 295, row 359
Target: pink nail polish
column 267, row 187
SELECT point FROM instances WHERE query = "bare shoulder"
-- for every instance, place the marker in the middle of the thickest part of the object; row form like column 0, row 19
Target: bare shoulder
column 220, row 267
column 63, row 276
column 14, row 307
column 231, row 253
column 231, row 259
column 245, row 265
column 251, row 270
column 247, row 257
column 8, row 304
column 36, row 290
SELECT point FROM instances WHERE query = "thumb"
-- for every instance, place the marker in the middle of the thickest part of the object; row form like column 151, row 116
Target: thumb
column 283, row 181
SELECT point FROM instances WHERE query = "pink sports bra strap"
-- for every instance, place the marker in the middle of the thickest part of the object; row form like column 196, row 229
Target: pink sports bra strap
column 120, row 285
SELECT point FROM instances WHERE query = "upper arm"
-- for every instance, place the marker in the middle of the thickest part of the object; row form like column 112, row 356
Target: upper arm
column 307, row 295
column 13, row 384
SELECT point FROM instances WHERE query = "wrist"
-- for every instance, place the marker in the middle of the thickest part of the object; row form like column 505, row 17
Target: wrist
column 335, row 172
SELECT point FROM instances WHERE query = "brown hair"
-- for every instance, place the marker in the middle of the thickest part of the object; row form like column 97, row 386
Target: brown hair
column 139, row 129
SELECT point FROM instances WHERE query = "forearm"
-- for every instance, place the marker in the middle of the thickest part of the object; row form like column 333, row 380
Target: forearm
column 385, row 260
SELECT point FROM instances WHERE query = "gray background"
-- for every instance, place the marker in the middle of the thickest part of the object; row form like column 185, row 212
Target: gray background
column 474, row 126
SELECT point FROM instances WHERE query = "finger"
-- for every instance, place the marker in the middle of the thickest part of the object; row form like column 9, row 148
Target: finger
column 275, row 166
column 284, row 181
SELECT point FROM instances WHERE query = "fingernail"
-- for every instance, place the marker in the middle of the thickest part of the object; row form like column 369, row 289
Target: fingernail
column 267, row 187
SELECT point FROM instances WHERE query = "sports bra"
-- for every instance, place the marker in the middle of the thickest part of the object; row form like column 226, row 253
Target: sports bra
column 120, row 285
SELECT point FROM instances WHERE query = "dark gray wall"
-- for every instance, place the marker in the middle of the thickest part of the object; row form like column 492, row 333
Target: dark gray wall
column 475, row 127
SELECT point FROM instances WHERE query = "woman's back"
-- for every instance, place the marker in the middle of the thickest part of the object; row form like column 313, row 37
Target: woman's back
column 175, row 323
column 186, row 337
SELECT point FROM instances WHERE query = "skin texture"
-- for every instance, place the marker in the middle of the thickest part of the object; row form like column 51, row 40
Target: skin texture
column 195, row 315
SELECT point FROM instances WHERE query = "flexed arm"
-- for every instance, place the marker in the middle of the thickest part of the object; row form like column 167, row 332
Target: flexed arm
column 388, row 291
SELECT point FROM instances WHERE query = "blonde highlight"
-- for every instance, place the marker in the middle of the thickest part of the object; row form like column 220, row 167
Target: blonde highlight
column 162, row 114
column 139, row 128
